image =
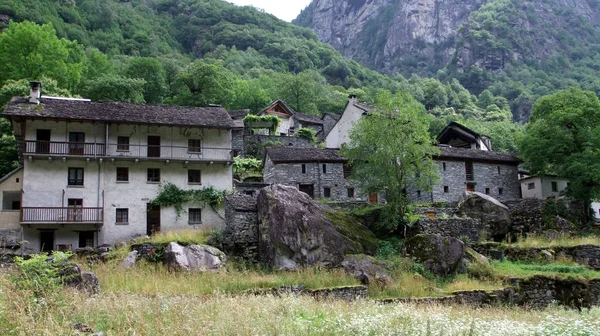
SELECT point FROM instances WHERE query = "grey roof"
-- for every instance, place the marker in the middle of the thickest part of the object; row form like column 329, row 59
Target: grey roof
column 238, row 114
column 459, row 130
column 364, row 107
column 311, row 119
column 241, row 202
column 453, row 153
column 214, row 117
column 334, row 116
column 294, row 154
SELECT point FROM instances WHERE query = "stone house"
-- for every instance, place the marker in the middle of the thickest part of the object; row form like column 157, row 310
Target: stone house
column 467, row 163
column 340, row 132
column 292, row 121
column 319, row 172
column 91, row 169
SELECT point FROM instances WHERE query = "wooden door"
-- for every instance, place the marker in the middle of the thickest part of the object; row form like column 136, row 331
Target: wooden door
column 373, row 198
column 152, row 219
column 46, row 241
column 153, row 146
column 75, row 210
column 76, row 143
column 42, row 144
column 86, row 239
column 470, row 187
column 308, row 189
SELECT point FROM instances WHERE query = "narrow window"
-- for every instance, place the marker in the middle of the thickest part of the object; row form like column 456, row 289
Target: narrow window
column 419, row 193
column 350, row 192
column 347, row 170
column 554, row 186
column 123, row 144
column 122, row 174
column 444, row 166
column 531, row 186
column 122, row 216
column 194, row 176
column 194, row 146
column 303, row 169
column 487, row 191
column 153, row 175
column 327, row 192
column 469, row 171
column 75, row 177
column 446, row 189
column 500, row 191
column 195, row 216
column 499, row 170
column 324, row 168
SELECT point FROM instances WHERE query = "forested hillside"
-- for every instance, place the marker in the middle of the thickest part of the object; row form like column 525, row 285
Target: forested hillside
column 517, row 49
column 199, row 52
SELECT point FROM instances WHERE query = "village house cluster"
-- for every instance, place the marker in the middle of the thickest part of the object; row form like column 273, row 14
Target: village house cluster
column 90, row 170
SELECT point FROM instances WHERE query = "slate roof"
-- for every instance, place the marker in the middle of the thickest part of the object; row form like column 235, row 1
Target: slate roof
column 241, row 202
column 334, row 116
column 13, row 172
column 459, row 130
column 294, row 154
column 238, row 114
column 454, row 153
column 364, row 107
column 214, row 117
column 311, row 119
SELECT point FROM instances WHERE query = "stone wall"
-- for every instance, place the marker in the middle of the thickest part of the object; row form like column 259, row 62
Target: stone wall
column 488, row 178
column 533, row 215
column 452, row 227
column 252, row 142
column 249, row 188
column 350, row 293
column 237, row 141
column 240, row 237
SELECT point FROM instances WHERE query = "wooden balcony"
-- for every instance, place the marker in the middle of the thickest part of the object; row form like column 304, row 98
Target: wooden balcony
column 53, row 148
column 62, row 215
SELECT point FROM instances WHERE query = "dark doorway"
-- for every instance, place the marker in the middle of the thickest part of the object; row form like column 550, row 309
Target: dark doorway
column 46, row 241
column 470, row 187
column 42, row 144
column 152, row 219
column 75, row 210
column 76, row 143
column 86, row 239
column 373, row 198
column 308, row 189
column 153, row 146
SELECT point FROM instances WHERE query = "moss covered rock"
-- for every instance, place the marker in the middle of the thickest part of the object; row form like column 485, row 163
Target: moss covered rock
column 439, row 255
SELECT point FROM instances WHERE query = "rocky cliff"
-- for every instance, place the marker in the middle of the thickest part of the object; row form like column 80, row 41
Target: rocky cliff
column 424, row 36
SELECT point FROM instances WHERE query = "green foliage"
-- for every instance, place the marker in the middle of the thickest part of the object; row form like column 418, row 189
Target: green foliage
column 246, row 167
column 40, row 274
column 563, row 138
column 172, row 196
column 115, row 88
column 154, row 75
column 257, row 122
column 203, row 83
column 391, row 150
column 389, row 248
column 307, row 133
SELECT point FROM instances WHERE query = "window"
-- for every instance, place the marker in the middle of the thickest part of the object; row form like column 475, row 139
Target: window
column 75, row 177
column 418, row 193
column 469, row 171
column 122, row 174
column 86, row 239
column 153, row 175
column 554, row 186
column 327, row 192
column 122, row 216
column 195, row 216
column 446, row 189
column 499, row 170
column 123, row 143
column 75, row 211
column 487, row 191
column 76, row 143
column 324, row 168
column 11, row 200
column 350, row 192
column 194, row 145
column 444, row 166
column 500, row 191
column 194, row 176
column 470, row 187
column 347, row 171
column 531, row 186
column 303, row 169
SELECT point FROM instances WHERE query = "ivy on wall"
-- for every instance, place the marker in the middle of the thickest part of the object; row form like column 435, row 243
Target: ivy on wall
column 251, row 120
column 172, row 196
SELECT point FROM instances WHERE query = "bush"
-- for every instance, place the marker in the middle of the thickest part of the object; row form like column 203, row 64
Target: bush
column 307, row 133
column 40, row 274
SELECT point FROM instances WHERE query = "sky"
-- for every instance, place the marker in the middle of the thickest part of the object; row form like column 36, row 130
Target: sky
column 284, row 9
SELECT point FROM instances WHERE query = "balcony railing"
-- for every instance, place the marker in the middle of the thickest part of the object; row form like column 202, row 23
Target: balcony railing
column 69, row 215
column 128, row 151
column 64, row 148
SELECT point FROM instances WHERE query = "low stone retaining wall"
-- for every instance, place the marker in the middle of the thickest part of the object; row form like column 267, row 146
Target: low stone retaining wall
column 349, row 293
column 436, row 212
column 150, row 251
column 240, row 237
column 451, row 227
column 587, row 255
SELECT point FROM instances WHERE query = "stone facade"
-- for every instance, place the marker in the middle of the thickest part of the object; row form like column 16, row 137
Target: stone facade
column 452, row 227
column 252, row 143
column 495, row 179
column 249, row 188
column 331, row 177
column 240, row 237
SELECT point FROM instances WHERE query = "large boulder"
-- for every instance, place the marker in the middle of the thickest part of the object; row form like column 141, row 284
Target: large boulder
column 73, row 277
column 130, row 260
column 367, row 269
column 295, row 231
column 194, row 258
column 439, row 255
column 494, row 216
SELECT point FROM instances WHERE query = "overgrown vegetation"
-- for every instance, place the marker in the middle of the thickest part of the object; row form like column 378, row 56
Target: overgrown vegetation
column 246, row 168
column 40, row 274
column 271, row 122
column 171, row 195
column 308, row 133
column 183, row 237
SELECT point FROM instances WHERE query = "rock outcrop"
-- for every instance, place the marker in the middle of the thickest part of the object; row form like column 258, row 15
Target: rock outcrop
column 367, row 269
column 72, row 276
column 295, row 231
column 130, row 260
column 439, row 255
column 493, row 215
column 194, row 258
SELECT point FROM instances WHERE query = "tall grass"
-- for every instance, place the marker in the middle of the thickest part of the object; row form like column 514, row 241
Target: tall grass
column 524, row 270
column 562, row 240
column 186, row 236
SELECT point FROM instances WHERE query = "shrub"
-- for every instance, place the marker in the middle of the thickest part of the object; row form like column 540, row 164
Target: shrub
column 40, row 274
column 307, row 133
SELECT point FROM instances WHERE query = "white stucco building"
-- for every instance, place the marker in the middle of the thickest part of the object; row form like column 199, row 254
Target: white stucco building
column 91, row 169
column 542, row 187
column 340, row 133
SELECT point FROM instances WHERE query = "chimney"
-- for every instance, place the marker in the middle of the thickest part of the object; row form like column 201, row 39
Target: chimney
column 353, row 98
column 35, row 92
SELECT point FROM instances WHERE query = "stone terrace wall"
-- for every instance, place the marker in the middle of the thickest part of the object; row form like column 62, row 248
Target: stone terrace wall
column 252, row 143
column 452, row 227
column 240, row 237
